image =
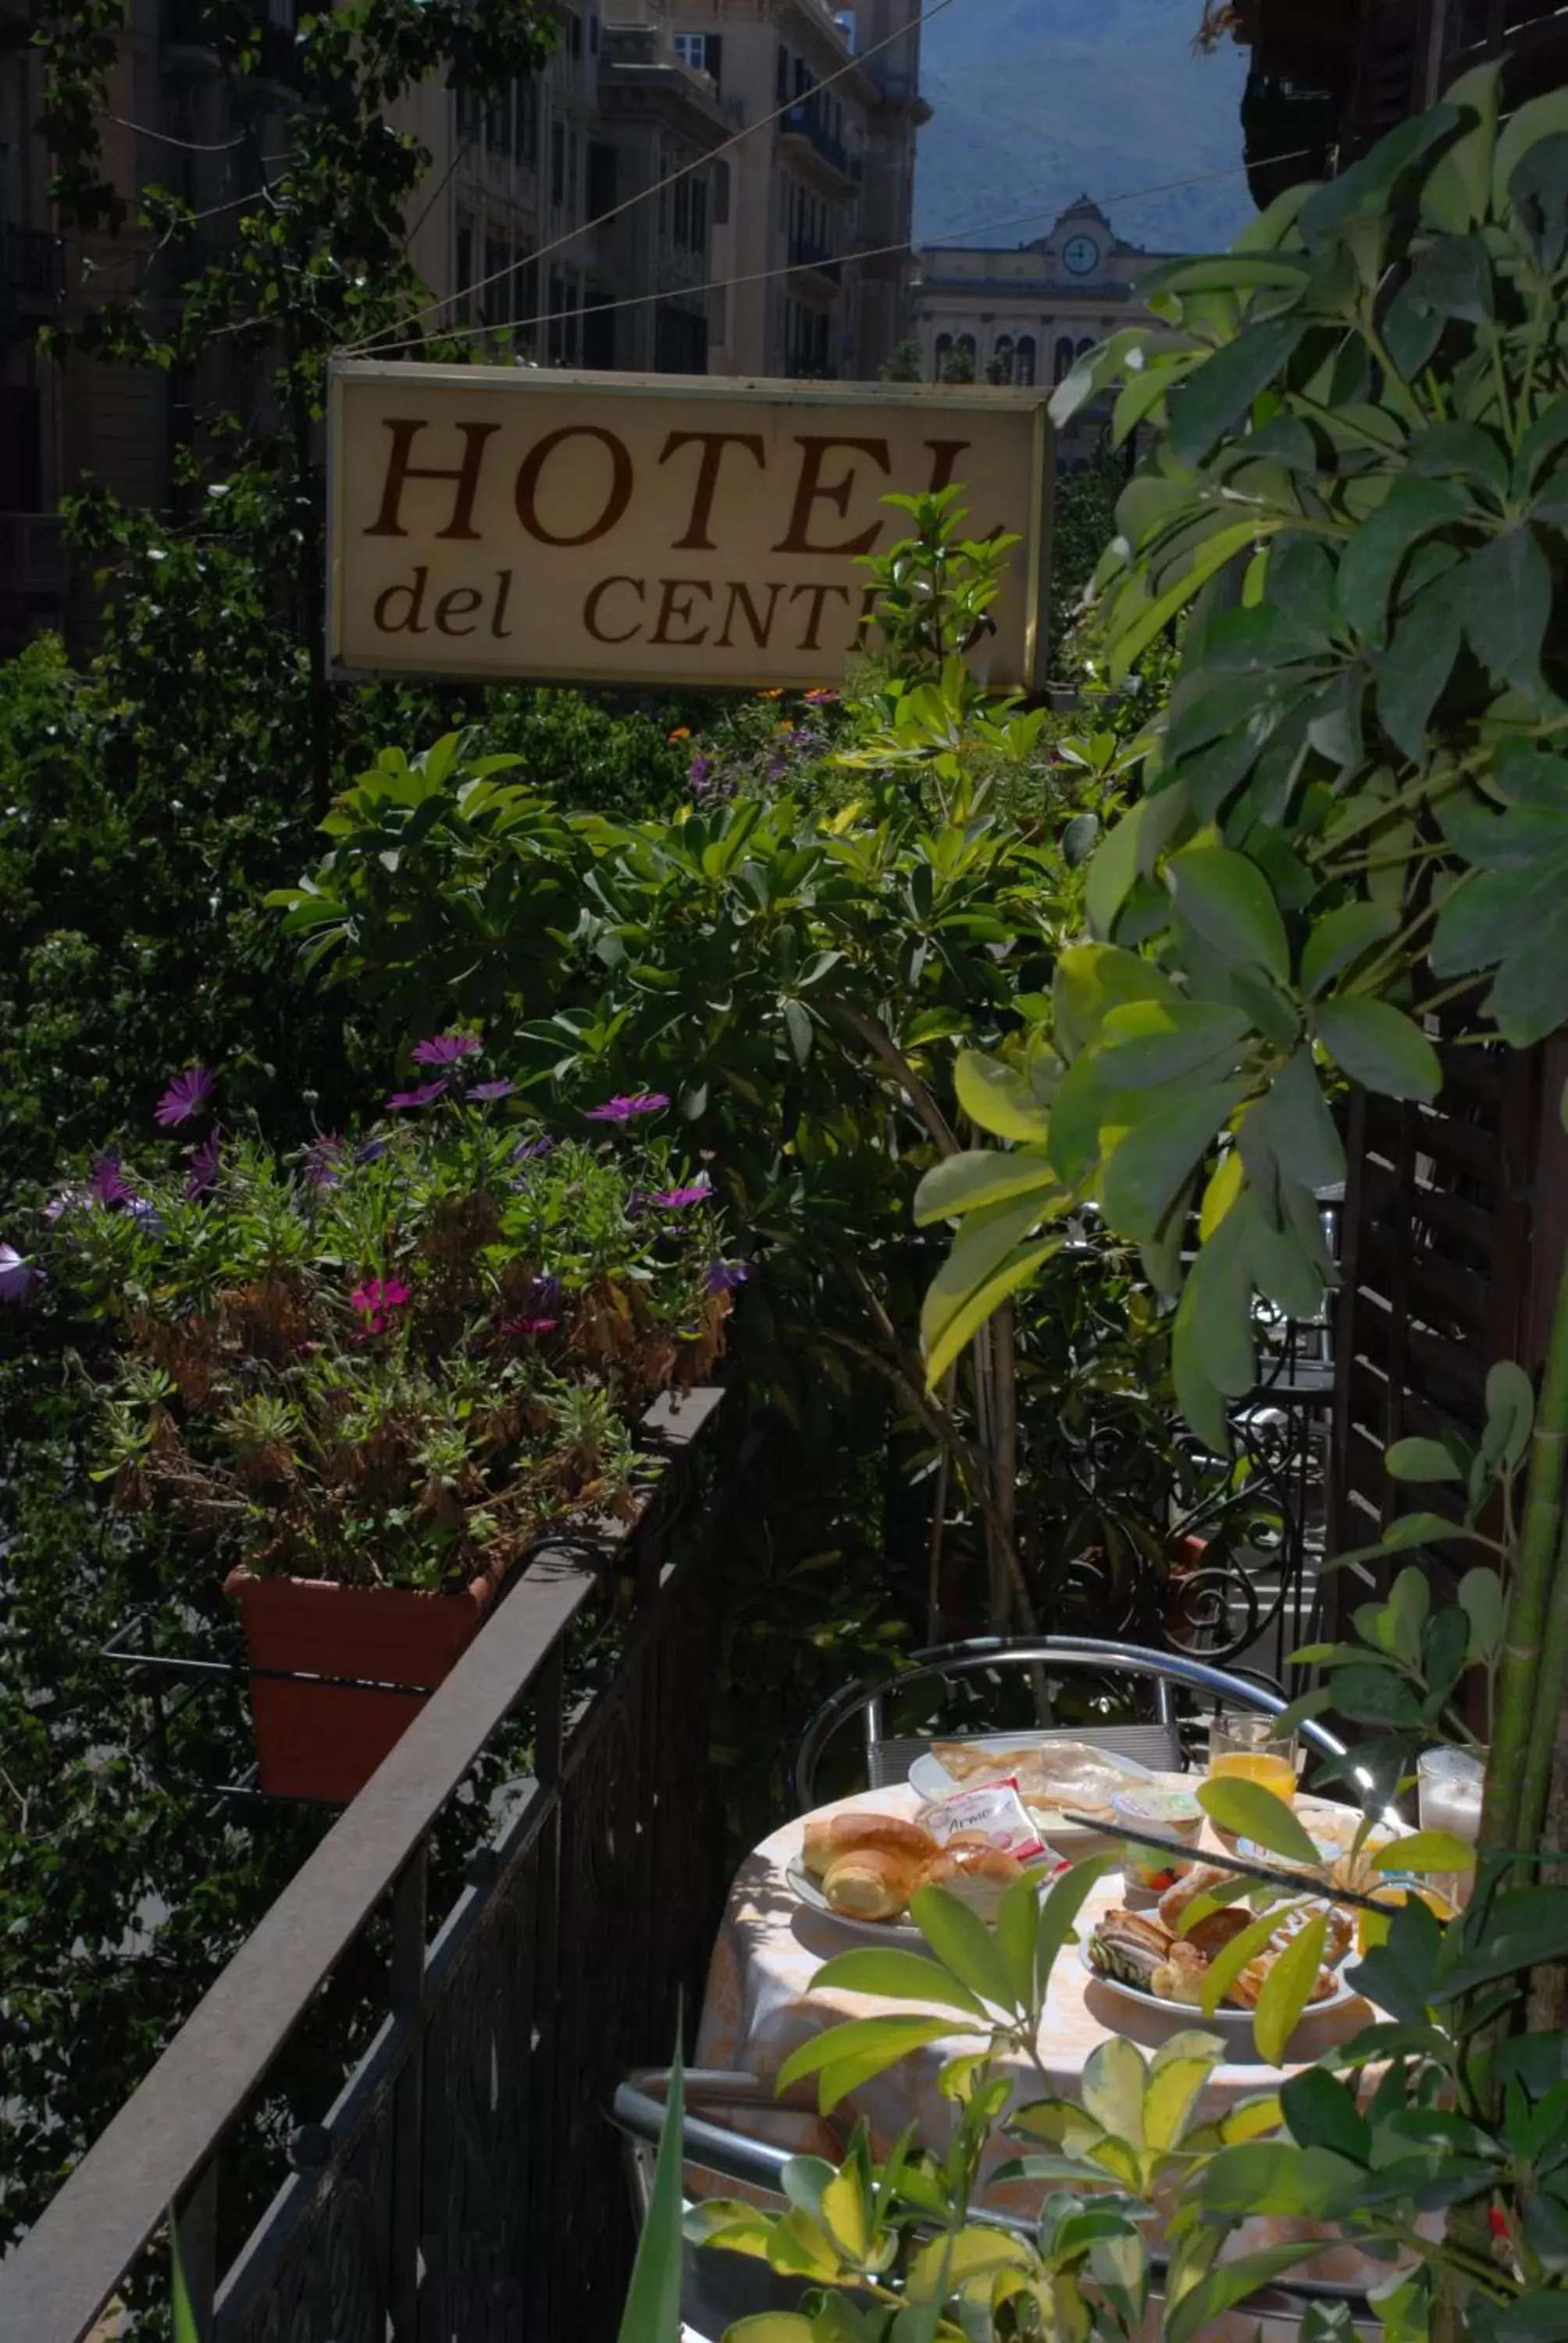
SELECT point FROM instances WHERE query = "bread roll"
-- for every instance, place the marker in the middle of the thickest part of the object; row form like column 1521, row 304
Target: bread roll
column 870, row 1883
column 1175, row 1900
column 828, row 1836
column 978, row 1875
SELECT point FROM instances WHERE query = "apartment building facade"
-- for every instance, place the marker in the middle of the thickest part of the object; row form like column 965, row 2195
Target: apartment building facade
column 819, row 185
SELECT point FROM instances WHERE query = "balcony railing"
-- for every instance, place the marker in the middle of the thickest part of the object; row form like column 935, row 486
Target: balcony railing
column 805, row 252
column 464, row 2181
column 196, row 25
column 805, row 120
column 32, row 264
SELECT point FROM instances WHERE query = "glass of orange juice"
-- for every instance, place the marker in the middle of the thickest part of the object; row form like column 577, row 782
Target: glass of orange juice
column 1244, row 1745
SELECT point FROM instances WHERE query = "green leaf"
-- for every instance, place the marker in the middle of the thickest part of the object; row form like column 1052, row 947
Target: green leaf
column 1321, row 2112
column 1150, row 1165
column 1423, row 644
column 1521, row 1930
column 182, row 2316
column 1509, row 1413
column 1295, row 1121
column 1427, row 1850
column 1539, row 193
column 976, row 1176
column 1178, row 2075
column 1507, row 602
column 964, row 1945
column 1200, row 2310
column 761, row 2327
column 1411, row 509
column 848, row 2055
column 996, row 1098
column 1223, row 389
column 1233, row 1957
column 652, row 2311
column 1149, row 1042
column 1112, row 2089
column 1059, row 1913
column 979, row 1304
column 1249, row 1811
column 1421, row 1460
column 1128, row 641
column 1381, row 1048
column 1340, row 937
column 898, row 1977
column 1480, row 1599
column 1226, row 898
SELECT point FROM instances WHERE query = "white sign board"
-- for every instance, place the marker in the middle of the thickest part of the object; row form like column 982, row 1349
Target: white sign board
column 498, row 521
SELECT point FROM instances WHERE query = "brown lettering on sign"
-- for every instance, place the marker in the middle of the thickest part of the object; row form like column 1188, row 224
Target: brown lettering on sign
column 398, row 469
column 945, row 454
column 819, row 594
column 762, row 625
column 812, row 488
column 457, row 605
column 591, row 610
column 503, row 595
column 534, row 462
column 670, row 611
column 416, row 593
column 713, row 443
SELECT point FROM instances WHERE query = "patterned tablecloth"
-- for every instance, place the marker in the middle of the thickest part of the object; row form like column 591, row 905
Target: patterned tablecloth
column 759, row 2007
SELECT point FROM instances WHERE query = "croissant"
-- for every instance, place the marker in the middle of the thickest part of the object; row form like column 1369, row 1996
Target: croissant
column 828, row 1836
column 871, row 1882
column 978, row 1875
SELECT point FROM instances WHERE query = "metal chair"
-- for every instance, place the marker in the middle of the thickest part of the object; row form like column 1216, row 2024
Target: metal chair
column 1155, row 1745
column 719, row 2288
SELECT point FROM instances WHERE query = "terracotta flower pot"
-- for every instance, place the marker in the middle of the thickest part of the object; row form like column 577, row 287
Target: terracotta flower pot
column 323, row 1740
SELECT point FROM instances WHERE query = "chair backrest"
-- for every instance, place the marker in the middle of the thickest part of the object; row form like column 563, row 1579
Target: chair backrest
column 1153, row 1745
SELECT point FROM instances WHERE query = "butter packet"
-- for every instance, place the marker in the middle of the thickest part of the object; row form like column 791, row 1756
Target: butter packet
column 994, row 1815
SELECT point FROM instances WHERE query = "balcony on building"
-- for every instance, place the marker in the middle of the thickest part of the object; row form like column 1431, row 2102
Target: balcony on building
column 807, row 252
column 804, row 134
column 32, row 267
column 190, row 25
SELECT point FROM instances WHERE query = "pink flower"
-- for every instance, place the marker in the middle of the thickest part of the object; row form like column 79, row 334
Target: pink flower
column 417, row 1098
column 183, row 1097
column 205, row 1164
column 529, row 1325
column 621, row 1110
column 495, row 1090
column 376, row 1298
column 17, row 1276
column 675, row 1200
column 444, row 1049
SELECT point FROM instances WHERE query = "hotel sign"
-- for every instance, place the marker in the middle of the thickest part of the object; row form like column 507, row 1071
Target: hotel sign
column 496, row 521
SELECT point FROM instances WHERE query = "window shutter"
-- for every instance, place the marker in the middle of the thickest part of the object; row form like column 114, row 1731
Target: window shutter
column 713, row 55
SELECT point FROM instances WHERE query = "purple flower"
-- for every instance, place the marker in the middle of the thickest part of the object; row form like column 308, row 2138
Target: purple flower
column 724, row 1276
column 145, row 1216
column 370, row 1151
column 621, row 1110
column 205, row 1164
column 496, row 1090
column 68, row 1200
column 320, row 1169
column 17, row 1277
column 528, row 1150
column 698, row 773
column 801, row 739
column 529, row 1325
column 421, row 1096
column 376, row 1298
column 183, row 1097
column 675, row 1200
column 107, row 1181
column 444, row 1049
column 544, row 1294
column 777, row 768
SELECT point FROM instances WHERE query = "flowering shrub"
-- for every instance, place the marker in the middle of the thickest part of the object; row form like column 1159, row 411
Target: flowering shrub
column 390, row 1360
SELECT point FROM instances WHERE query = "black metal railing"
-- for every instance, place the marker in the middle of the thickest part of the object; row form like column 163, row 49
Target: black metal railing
column 463, row 2182
column 32, row 263
column 807, row 252
column 807, row 120
column 266, row 28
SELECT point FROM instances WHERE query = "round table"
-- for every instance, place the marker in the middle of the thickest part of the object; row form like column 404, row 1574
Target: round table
column 759, row 2007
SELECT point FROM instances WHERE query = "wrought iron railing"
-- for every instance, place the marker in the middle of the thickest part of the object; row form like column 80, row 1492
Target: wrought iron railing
column 805, row 120
column 463, row 2181
column 32, row 263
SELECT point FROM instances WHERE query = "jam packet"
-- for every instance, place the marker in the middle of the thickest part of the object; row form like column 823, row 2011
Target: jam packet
column 994, row 1815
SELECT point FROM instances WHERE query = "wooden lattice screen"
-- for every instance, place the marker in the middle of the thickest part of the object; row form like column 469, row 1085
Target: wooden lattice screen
column 1453, row 1237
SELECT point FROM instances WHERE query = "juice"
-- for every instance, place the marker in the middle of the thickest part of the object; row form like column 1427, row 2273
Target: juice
column 1269, row 1767
column 1370, row 1930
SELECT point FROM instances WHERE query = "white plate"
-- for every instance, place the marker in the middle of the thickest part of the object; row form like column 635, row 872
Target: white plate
column 882, row 1932
column 934, row 1783
column 1230, row 2021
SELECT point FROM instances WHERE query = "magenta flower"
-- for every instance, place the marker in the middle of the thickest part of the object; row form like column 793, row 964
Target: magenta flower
column 529, row 1325
column 675, row 1200
column 621, row 1110
column 698, row 773
column 205, row 1164
column 376, row 1298
column 183, row 1097
column 68, row 1200
column 107, row 1181
column 496, row 1090
column 724, row 1276
column 444, row 1049
column 17, row 1276
column 421, row 1096
column 529, row 1151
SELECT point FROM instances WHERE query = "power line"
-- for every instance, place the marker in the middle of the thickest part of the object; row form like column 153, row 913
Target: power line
column 394, row 334
column 876, row 252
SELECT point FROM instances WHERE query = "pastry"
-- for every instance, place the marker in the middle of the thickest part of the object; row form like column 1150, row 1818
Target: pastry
column 1051, row 1774
column 1195, row 1883
column 831, row 1835
column 1127, row 1946
column 978, row 1875
column 1248, row 1984
column 870, row 1883
column 1179, row 1978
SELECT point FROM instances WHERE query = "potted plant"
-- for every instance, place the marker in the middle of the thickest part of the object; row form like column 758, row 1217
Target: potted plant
column 373, row 1371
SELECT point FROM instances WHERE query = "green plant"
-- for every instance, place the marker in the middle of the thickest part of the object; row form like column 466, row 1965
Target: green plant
column 388, row 1361
column 934, row 589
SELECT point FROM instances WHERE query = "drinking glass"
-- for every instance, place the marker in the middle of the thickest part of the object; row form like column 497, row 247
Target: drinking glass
column 1449, row 1786
column 1244, row 1745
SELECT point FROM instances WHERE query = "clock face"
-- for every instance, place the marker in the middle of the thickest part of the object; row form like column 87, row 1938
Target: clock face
column 1081, row 254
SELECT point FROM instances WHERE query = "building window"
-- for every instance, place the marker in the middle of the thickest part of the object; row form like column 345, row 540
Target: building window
column 465, row 268
column 601, row 179
column 1023, row 362
column 495, row 294
column 719, row 312
column 781, row 78
column 691, row 49
column 558, row 164
column 1061, row 362
column 1085, row 346
column 944, row 351
column 526, row 98
column 698, row 215
column 1001, row 364
column 593, row 36
column 575, row 35
column 499, row 125
column 470, row 118
column 720, row 195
